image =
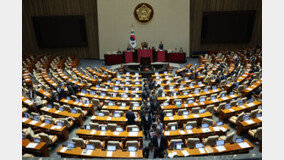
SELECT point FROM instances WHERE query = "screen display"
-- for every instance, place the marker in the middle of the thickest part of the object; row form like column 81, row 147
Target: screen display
column 111, row 148
column 71, row 145
column 199, row 145
column 239, row 140
column 204, row 125
column 90, row 147
column 220, row 143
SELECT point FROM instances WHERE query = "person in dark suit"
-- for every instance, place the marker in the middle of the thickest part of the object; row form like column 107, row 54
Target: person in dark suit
column 61, row 92
column 145, row 94
column 69, row 86
column 160, row 144
column 148, row 152
column 31, row 93
column 161, row 46
column 154, row 105
column 130, row 117
column 146, row 122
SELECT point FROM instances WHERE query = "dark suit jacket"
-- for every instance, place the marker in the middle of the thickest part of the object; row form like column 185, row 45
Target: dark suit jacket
column 163, row 143
column 130, row 118
column 144, row 123
column 146, row 152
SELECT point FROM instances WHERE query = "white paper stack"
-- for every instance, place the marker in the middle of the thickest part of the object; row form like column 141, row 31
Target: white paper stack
column 220, row 148
column 181, row 132
column 244, row 145
column 185, row 153
column 189, row 131
column 63, row 149
column 33, row 122
column 249, row 121
column 132, row 154
column 109, row 153
column 172, row 154
column 93, row 132
column 133, row 133
column 232, row 110
column 31, row 145
column 195, row 115
column 201, row 150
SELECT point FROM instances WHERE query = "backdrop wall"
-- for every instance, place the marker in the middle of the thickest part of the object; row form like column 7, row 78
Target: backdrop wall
column 170, row 24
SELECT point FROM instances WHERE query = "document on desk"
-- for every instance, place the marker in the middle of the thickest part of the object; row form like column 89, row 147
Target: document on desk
column 133, row 133
column 185, row 105
column 181, row 132
column 225, row 98
column 63, row 149
column 204, row 130
column 57, row 112
column 185, row 153
column 244, row 145
column 109, row 153
column 89, row 152
column 189, row 131
column 132, row 154
column 220, row 148
column 172, row 154
column 196, row 115
column 216, row 129
column 250, row 104
column 260, row 118
column 24, row 119
column 249, row 89
column 209, row 149
column 171, row 118
column 250, row 121
column 103, row 133
column 167, row 133
column 233, row 96
column 33, row 122
column 42, row 125
column 195, row 103
column 185, row 117
column 231, row 110
column 243, row 107
column 215, row 100
column 31, row 145
column 223, row 129
column 108, row 118
column 116, row 133
column 202, row 103
column 93, row 132
column 201, row 150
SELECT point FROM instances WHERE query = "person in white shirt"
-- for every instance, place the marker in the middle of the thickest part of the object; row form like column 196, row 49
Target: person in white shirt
column 37, row 103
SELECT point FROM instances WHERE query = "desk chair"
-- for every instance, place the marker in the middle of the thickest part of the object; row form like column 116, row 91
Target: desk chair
column 181, row 111
column 211, row 140
column 233, row 103
column 209, row 108
column 236, row 119
column 111, row 126
column 79, row 142
column 256, row 133
column 254, row 112
column 208, row 121
column 135, row 144
column 94, row 125
column 192, row 123
column 82, row 112
column 67, row 108
column 115, row 143
column 96, row 103
column 190, row 143
column 228, row 138
column 73, row 97
column 97, row 143
column 48, row 139
column 172, row 126
column 172, row 141
column 195, row 110
column 130, row 127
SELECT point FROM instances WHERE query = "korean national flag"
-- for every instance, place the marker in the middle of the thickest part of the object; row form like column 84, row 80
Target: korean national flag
column 132, row 39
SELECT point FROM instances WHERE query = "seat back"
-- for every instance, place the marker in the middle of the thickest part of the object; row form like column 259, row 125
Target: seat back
column 195, row 110
column 96, row 143
column 240, row 117
column 172, row 141
column 172, row 126
column 167, row 111
column 258, row 133
column 111, row 126
column 79, row 142
column 208, row 121
column 105, row 112
column 115, row 143
column 211, row 140
column 130, row 127
column 96, row 103
column 132, row 143
column 192, row 141
column 94, row 125
column 209, row 108
column 253, row 113
column 180, row 111
column 44, row 137
column 233, row 103
column 192, row 123
column 67, row 108
column 221, row 106
column 229, row 138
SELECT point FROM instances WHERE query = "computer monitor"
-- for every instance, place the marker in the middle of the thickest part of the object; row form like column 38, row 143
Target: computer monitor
column 117, row 82
column 84, row 91
column 132, row 149
column 178, row 103
column 228, row 82
column 90, row 147
column 240, row 103
column 60, row 123
column 172, row 87
column 124, row 95
column 119, row 129
column 97, row 86
column 232, row 93
column 204, row 125
column 199, row 145
column 26, row 115
column 185, row 93
column 214, row 87
column 220, row 143
column 103, row 94
column 136, row 89
column 47, row 121
column 49, row 106
column 246, row 117
column 110, row 103
column 190, row 85
column 239, row 140
column 188, row 127
column 251, row 100
column 68, row 98
column 101, row 114
column 223, row 95
column 205, row 89
column 181, row 86
column 186, row 79
column 108, row 81
column 92, row 92
column 70, row 145
column 196, row 91
column 202, row 111
column 135, row 129
column 219, row 123
column 87, row 127
column 119, row 76
column 185, row 113
column 190, row 101
column 169, row 114
column 166, row 103
column 116, row 88
column 36, row 140
column 126, row 89
column 74, row 111
column 258, row 115
column 116, row 115
column 178, row 145
column 227, row 106
column 111, row 148
column 165, row 72
column 168, row 82
column 127, row 73
column 36, row 117
column 213, row 97
column 202, row 99
column 77, row 100
column 199, row 83
column 61, row 109
column 103, row 128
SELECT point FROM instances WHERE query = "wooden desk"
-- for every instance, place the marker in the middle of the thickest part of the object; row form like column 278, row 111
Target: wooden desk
column 110, row 135
column 98, row 153
column 40, row 149
column 87, row 107
column 108, row 119
column 196, row 132
column 226, row 113
column 56, row 113
column 184, row 119
column 104, row 77
column 252, row 87
column 93, row 81
column 48, row 80
column 120, row 108
column 108, row 71
column 62, row 75
column 48, row 128
column 44, row 93
column 244, row 126
column 116, row 91
column 110, row 98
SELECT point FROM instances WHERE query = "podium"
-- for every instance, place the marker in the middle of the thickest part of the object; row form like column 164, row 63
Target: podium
column 145, row 61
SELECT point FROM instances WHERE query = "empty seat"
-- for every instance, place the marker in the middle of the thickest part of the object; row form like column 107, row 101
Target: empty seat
column 256, row 133
column 192, row 123
column 133, row 143
column 97, row 143
column 209, row 108
column 111, row 126
column 208, row 121
column 228, row 138
column 220, row 107
column 96, row 104
column 94, row 125
column 67, row 108
column 172, row 141
column 105, row 112
column 195, row 110
column 192, row 141
column 181, row 111
column 211, row 140
column 79, row 142
column 172, row 126
column 117, row 144
column 48, row 139
column 129, row 128
column 236, row 119
column 254, row 113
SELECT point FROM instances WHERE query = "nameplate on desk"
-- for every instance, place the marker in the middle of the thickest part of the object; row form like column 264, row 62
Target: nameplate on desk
column 31, row 145
column 65, row 100
column 197, row 94
column 104, row 106
column 244, row 145
column 223, row 129
column 185, row 153
column 215, row 90
column 33, row 122
column 132, row 154
column 132, row 133
column 250, row 104
column 195, row 103
column 249, row 89
column 182, row 132
column 121, row 107
column 109, row 153
column 103, row 133
column 185, row 117
column 202, row 103
column 220, row 148
column 172, row 154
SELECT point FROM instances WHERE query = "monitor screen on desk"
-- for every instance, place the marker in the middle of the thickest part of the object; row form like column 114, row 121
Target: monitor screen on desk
column 173, row 128
column 251, row 100
column 110, row 103
column 47, row 121
column 202, row 111
column 103, row 128
column 219, row 123
column 188, row 127
column 119, row 129
column 74, row 111
column 202, row 99
column 185, row 113
column 90, row 147
column 196, row 91
column 223, row 95
column 214, row 87
column 240, row 103
column 128, row 83
column 101, row 114
column 61, row 109
column 116, row 88
column 49, row 106
column 36, row 140
column 199, row 145
column 232, row 93
column 136, row 105
column 220, row 143
column 190, row 85
column 178, row 145
column 70, row 145
column 239, row 140
column 199, row 83
column 111, row 148
column 97, row 86
column 68, row 98
column 185, row 93
column 36, row 117
column 92, row 92
column 87, row 127
column 103, row 94
column 205, row 89
column 204, row 125
column 178, row 103
column 135, row 129
column 116, row 115
column 186, row 79
column 26, row 115
column 190, row 101
column 169, row 114
column 132, row 149
column 227, row 106
column 213, row 98
column 258, row 115
column 166, row 103
column 123, row 104
column 246, row 117
column 60, row 123
column 77, row 100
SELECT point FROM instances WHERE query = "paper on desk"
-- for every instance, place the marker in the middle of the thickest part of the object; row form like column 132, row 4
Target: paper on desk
column 103, row 133
column 42, row 125
column 220, row 148
column 93, row 132
column 250, row 104
column 202, row 103
column 24, row 119
column 225, row 98
column 33, row 122
column 132, row 154
column 57, row 111
column 172, row 154
column 31, row 145
column 242, row 106
column 63, row 149
column 185, row 153
column 181, row 132
column 189, row 131
column 133, row 133
column 167, row 133
column 195, row 103
column 116, row 133
column 185, row 117
column 249, row 89
column 216, row 128
column 232, row 110
column 249, row 121
column 196, row 115
column 244, row 145
column 215, row 100
column 185, row 105
column 223, row 129
column 89, row 152
column 108, row 118
column 204, row 130
column 109, row 153
column 171, row 118
column 233, row 96
column 260, row 118
column 201, row 150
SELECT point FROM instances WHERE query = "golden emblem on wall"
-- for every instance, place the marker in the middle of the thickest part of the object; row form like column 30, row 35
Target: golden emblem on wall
column 143, row 12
